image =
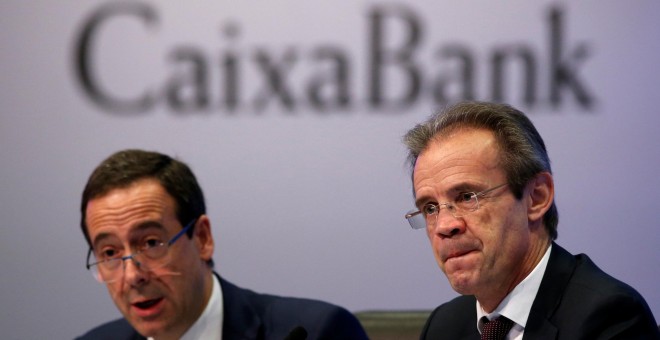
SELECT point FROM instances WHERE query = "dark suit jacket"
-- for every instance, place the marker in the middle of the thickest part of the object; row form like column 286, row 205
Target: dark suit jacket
column 576, row 300
column 250, row 315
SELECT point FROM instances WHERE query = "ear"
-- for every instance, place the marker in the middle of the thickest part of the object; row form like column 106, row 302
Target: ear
column 204, row 238
column 541, row 191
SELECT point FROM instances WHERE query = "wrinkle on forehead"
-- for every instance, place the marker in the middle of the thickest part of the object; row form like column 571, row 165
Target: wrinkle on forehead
column 463, row 156
column 473, row 141
column 123, row 208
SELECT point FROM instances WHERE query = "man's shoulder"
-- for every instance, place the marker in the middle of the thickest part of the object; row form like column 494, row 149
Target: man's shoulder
column 316, row 316
column 277, row 303
column 300, row 305
column 589, row 280
column 321, row 319
column 583, row 301
column 460, row 308
column 280, row 314
column 589, row 276
column 118, row 329
column 455, row 319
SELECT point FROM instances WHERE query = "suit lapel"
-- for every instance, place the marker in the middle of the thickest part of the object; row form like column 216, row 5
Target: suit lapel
column 558, row 273
column 241, row 320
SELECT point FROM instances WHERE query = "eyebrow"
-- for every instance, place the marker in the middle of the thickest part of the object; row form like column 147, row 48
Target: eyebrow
column 142, row 226
column 418, row 202
column 460, row 187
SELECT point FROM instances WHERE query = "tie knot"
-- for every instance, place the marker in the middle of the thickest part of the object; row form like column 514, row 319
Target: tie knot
column 496, row 329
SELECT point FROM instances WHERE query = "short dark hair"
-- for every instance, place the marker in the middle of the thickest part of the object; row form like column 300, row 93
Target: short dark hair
column 523, row 151
column 125, row 167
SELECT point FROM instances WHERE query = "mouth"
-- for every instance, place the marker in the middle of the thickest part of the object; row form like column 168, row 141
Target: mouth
column 148, row 308
column 457, row 254
column 147, row 303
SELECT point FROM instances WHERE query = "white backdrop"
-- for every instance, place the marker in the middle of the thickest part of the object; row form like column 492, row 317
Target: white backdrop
column 307, row 197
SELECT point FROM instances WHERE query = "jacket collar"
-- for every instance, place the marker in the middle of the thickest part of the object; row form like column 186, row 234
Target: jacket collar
column 555, row 279
column 241, row 320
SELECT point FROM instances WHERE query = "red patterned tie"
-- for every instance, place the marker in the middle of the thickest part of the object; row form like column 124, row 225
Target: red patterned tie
column 496, row 329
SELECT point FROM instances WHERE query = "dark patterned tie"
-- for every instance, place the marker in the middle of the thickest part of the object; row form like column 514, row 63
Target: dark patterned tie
column 496, row 329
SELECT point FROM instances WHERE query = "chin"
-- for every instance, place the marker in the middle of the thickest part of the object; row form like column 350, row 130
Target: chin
column 462, row 284
column 149, row 330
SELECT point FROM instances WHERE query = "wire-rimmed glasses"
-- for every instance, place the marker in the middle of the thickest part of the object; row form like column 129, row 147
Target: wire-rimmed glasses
column 464, row 204
column 151, row 255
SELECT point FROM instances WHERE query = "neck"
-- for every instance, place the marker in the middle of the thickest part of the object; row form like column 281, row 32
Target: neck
column 494, row 295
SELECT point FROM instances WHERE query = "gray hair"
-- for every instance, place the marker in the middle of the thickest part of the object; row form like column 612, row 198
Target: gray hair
column 523, row 153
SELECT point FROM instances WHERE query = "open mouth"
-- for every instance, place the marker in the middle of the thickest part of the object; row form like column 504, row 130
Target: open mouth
column 147, row 304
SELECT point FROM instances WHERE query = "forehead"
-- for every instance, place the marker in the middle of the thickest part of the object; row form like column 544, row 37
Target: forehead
column 122, row 209
column 460, row 157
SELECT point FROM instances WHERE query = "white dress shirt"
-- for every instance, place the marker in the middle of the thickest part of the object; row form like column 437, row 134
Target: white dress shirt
column 517, row 304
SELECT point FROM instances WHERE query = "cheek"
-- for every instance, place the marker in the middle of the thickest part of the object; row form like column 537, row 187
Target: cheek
column 429, row 234
column 116, row 295
column 186, row 263
column 494, row 229
column 515, row 222
column 484, row 227
column 514, row 237
column 180, row 257
column 434, row 240
column 113, row 289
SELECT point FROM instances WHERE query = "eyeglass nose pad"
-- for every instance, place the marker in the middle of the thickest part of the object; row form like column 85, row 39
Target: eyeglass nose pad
column 136, row 262
column 448, row 206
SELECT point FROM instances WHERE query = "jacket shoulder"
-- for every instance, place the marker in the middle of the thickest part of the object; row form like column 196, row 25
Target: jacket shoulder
column 580, row 301
column 118, row 329
column 322, row 320
column 608, row 306
column 277, row 315
column 456, row 319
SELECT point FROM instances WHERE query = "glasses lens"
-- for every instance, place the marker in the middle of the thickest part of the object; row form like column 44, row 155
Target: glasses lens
column 94, row 270
column 466, row 204
column 416, row 219
column 155, row 255
column 148, row 260
column 153, row 258
column 105, row 271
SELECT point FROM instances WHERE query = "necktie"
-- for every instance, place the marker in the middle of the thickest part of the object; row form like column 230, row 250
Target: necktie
column 496, row 329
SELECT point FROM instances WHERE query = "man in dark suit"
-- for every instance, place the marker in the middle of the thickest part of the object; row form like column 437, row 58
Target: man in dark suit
column 144, row 217
column 487, row 166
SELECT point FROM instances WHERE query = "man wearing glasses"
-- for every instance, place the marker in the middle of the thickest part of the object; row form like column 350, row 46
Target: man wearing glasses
column 484, row 193
column 144, row 217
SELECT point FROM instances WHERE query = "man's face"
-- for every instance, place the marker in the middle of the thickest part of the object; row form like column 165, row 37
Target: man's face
column 485, row 251
column 165, row 301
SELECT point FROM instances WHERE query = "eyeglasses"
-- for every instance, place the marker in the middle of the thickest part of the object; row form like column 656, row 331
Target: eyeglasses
column 465, row 203
column 151, row 254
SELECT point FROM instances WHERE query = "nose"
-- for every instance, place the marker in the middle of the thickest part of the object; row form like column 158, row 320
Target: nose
column 134, row 272
column 446, row 225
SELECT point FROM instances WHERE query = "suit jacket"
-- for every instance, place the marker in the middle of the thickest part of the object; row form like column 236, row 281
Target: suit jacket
column 250, row 315
column 576, row 300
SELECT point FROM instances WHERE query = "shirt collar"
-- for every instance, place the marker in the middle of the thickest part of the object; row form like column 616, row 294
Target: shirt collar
column 517, row 304
column 209, row 324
